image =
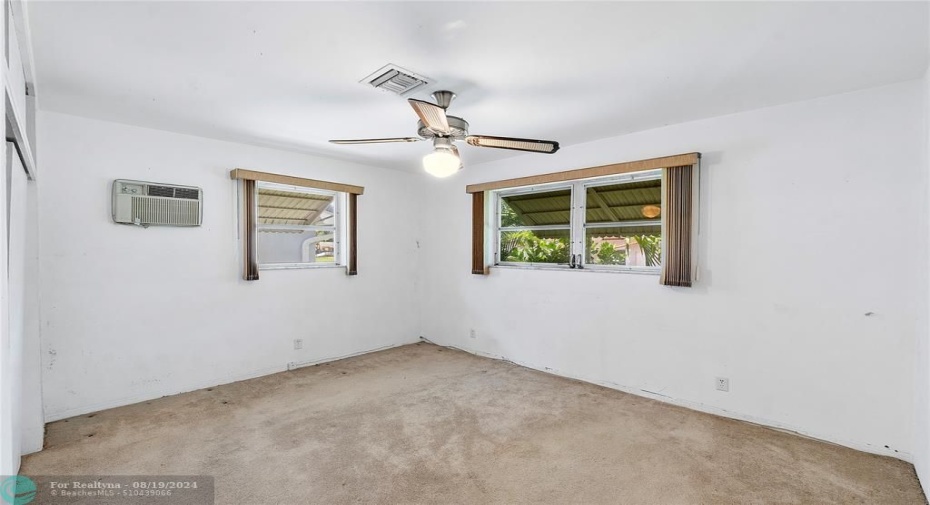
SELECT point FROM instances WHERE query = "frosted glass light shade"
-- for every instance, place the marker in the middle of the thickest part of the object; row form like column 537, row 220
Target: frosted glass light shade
column 441, row 163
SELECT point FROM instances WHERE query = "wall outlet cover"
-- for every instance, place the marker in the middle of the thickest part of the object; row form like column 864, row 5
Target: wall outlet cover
column 723, row 384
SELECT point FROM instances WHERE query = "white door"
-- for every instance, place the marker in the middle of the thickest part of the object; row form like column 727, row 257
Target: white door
column 16, row 246
column 8, row 462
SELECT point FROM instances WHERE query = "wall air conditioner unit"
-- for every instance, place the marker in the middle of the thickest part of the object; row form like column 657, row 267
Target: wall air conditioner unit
column 147, row 203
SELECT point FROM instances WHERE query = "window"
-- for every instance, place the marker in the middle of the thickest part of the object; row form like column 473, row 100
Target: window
column 293, row 222
column 535, row 226
column 298, row 226
column 633, row 216
column 612, row 223
column 623, row 222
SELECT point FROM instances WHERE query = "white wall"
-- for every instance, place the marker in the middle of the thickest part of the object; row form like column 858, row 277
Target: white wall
column 812, row 272
column 130, row 314
column 922, row 354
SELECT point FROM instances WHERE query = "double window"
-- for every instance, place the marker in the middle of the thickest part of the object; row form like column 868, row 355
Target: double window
column 606, row 223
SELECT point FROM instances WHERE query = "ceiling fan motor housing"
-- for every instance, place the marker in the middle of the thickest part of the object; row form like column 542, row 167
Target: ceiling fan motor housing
column 443, row 98
column 458, row 128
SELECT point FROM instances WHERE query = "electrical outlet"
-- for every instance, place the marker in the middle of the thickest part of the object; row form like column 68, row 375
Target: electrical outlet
column 473, row 334
column 298, row 344
column 723, row 384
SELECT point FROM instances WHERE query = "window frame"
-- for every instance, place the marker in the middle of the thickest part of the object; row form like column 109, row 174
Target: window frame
column 540, row 188
column 339, row 227
column 578, row 225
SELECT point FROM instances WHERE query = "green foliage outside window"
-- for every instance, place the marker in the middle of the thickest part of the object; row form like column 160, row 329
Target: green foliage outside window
column 605, row 253
column 526, row 247
column 652, row 248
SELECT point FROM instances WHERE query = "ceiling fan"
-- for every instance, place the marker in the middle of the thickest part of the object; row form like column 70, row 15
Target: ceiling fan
column 444, row 130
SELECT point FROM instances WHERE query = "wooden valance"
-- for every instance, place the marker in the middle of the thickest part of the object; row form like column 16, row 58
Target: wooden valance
column 252, row 175
column 587, row 173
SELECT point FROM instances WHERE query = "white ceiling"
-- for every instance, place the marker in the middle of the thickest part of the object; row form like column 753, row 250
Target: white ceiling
column 286, row 74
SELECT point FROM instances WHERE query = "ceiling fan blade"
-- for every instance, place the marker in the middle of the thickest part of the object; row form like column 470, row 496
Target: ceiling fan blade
column 531, row 145
column 377, row 141
column 433, row 116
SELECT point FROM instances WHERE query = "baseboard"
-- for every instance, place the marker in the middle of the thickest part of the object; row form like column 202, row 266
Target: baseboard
column 153, row 395
column 700, row 407
column 228, row 379
column 294, row 365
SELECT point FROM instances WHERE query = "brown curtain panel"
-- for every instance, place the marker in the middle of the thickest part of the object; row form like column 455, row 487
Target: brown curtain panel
column 678, row 220
column 250, row 255
column 477, row 233
column 352, row 268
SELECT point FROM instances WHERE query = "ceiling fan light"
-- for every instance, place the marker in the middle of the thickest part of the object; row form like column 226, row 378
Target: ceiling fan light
column 441, row 163
column 651, row 211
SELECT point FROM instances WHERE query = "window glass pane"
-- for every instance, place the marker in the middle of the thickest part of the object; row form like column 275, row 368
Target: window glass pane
column 296, row 208
column 537, row 246
column 631, row 201
column 537, row 209
column 277, row 246
column 638, row 246
column 296, row 226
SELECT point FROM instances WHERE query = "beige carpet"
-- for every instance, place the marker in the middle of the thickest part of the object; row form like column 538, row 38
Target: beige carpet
column 424, row 424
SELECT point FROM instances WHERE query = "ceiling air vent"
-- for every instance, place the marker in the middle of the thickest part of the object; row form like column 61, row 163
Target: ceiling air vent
column 395, row 79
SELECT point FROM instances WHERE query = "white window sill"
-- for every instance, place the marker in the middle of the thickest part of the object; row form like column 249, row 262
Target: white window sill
column 298, row 266
column 596, row 269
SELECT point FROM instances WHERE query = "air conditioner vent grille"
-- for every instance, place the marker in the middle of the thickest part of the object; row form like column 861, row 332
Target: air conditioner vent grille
column 395, row 79
column 189, row 194
column 144, row 204
column 161, row 191
column 165, row 211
